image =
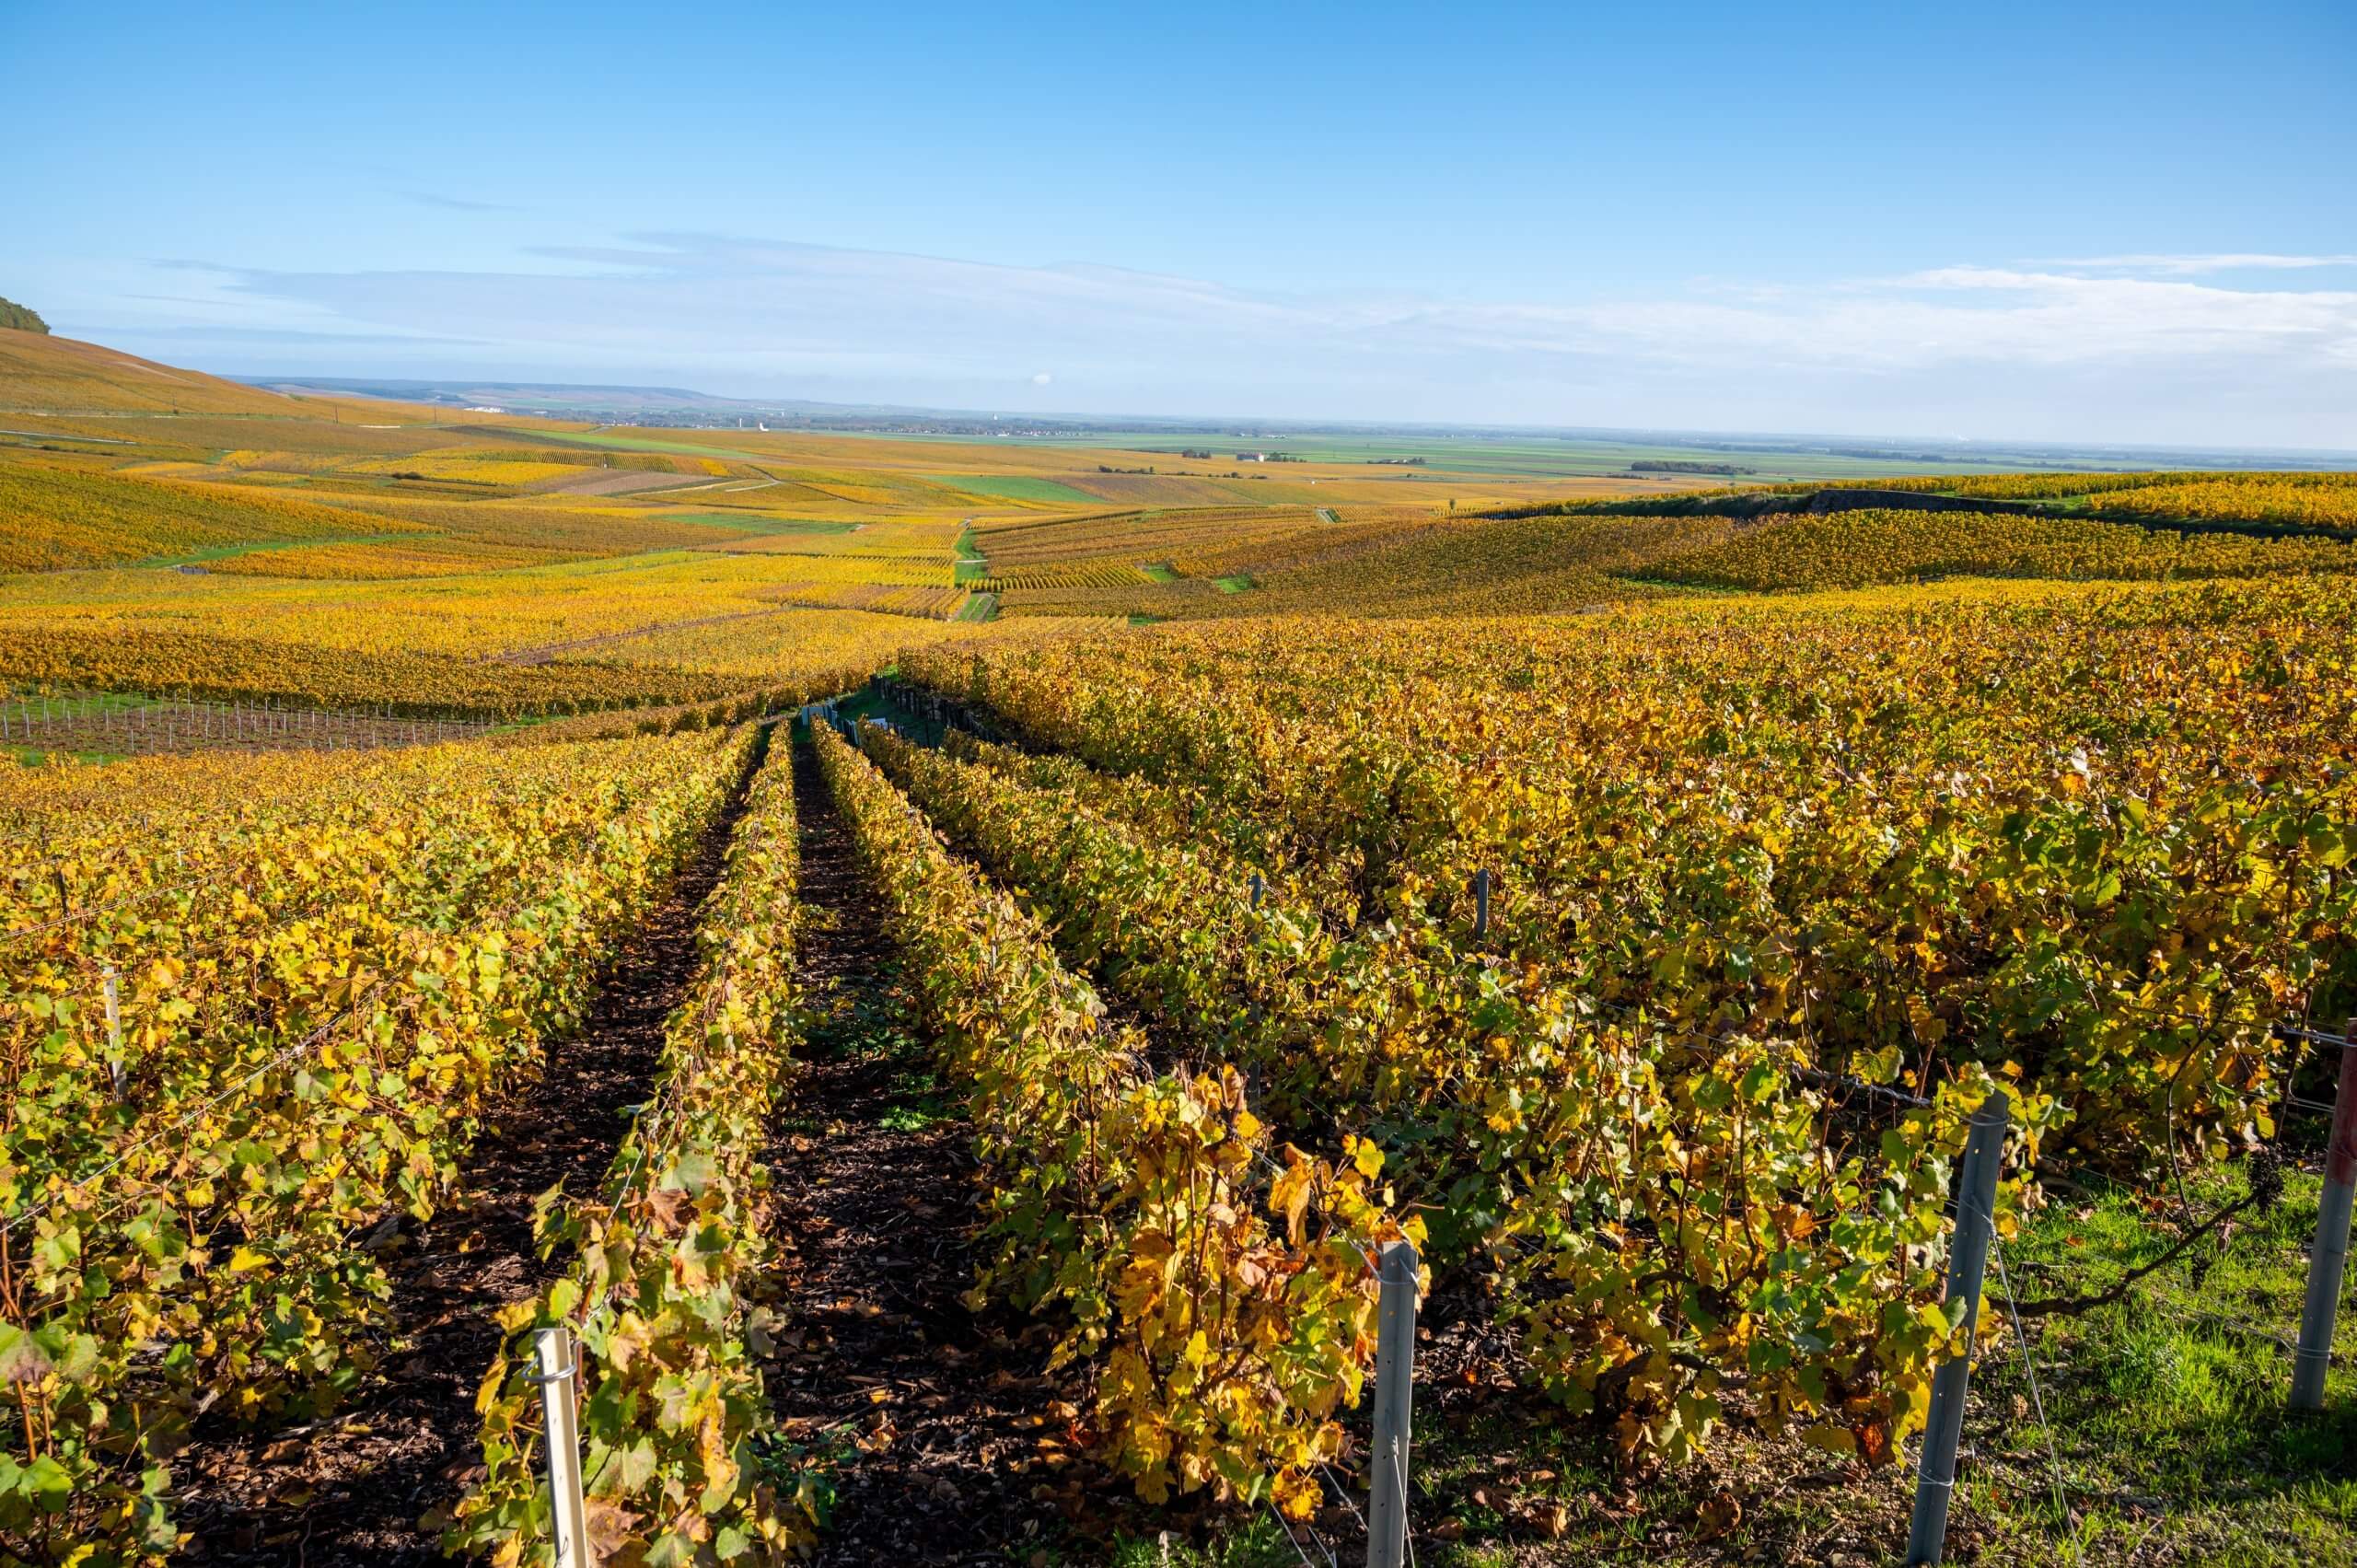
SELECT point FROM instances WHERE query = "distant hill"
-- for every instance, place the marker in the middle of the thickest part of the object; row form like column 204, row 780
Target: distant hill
column 560, row 399
column 22, row 318
column 42, row 374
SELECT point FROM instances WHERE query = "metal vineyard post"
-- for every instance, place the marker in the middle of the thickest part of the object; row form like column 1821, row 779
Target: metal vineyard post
column 2329, row 1259
column 1976, row 1199
column 1395, row 1365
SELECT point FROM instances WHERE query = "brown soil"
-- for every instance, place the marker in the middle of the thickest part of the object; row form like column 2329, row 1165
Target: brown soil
column 350, row 1489
column 951, row 1445
column 608, row 482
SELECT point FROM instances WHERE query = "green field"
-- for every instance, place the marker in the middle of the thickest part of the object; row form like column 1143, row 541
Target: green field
column 260, row 547
column 1017, row 487
column 1535, row 455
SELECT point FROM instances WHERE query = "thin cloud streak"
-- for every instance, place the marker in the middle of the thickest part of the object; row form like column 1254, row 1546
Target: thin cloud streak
column 455, row 203
column 2227, row 262
column 275, row 336
column 2169, row 352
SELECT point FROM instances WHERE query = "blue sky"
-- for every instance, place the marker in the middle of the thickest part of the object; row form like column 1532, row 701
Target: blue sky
column 2072, row 222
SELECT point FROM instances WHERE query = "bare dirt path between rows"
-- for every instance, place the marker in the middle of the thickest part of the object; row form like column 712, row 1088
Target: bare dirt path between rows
column 350, row 1489
column 951, row 1445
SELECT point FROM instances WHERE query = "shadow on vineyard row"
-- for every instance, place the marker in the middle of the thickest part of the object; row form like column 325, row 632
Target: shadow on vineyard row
column 939, row 1427
column 371, row 1482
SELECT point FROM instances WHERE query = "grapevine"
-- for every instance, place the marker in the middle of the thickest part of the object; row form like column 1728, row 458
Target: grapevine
column 1133, row 1201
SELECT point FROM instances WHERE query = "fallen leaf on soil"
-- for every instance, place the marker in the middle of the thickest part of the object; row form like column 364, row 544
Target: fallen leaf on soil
column 1718, row 1516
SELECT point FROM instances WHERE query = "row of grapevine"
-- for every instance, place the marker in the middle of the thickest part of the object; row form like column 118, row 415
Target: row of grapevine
column 1183, row 596
column 1853, row 548
column 2108, row 840
column 2302, row 499
column 1668, row 1211
column 1423, row 563
column 925, row 603
column 313, row 996
column 59, row 518
column 1996, row 486
column 1227, row 1296
column 233, row 668
column 1083, row 574
column 662, row 1293
column 1363, row 530
column 2308, row 500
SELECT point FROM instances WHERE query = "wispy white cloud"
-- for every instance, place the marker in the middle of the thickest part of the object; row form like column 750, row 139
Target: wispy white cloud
column 277, row 337
column 454, row 204
column 700, row 292
column 2183, row 266
column 2104, row 348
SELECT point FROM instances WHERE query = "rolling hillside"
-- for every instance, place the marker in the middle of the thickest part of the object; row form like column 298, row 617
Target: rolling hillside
column 40, row 374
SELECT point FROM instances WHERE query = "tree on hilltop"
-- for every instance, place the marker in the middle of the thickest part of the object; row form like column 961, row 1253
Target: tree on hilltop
column 20, row 317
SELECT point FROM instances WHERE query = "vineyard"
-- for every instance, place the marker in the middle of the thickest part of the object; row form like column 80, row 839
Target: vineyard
column 2326, row 501
column 1862, row 549
column 948, row 980
column 1677, row 1105
column 2261, row 503
column 59, row 519
column 315, row 1000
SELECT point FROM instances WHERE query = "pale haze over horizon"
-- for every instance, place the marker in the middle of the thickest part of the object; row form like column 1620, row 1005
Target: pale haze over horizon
column 2096, row 223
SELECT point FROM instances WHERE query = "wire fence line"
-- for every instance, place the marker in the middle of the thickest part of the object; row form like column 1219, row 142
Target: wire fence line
column 2029, row 1366
column 143, row 725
